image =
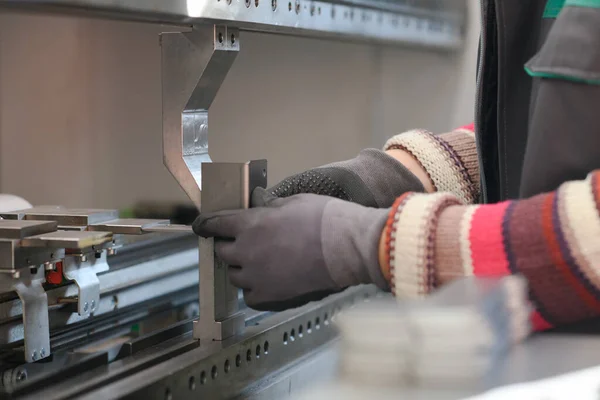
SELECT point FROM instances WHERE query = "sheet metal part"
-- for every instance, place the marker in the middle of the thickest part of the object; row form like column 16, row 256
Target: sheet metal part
column 84, row 274
column 64, row 216
column 168, row 228
column 15, row 229
column 128, row 226
column 34, row 303
column 426, row 23
column 194, row 64
column 67, row 239
column 226, row 186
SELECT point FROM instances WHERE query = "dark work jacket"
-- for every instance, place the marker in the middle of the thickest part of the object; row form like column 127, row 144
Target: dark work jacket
column 538, row 95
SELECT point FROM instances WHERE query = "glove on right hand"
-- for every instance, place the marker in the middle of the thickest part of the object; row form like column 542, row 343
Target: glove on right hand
column 372, row 179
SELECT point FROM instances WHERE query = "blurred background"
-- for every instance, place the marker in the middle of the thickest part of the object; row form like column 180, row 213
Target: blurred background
column 80, row 105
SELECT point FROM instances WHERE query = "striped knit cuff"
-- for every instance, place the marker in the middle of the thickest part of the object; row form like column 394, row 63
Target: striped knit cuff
column 450, row 160
column 412, row 258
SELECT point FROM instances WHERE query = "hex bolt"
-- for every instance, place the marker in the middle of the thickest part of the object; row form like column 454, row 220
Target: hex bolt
column 48, row 266
column 93, row 305
column 85, row 306
column 16, row 274
column 21, row 375
column 43, row 352
column 34, row 355
column 111, row 251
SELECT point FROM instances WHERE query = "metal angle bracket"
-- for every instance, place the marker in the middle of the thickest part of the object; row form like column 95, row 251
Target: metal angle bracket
column 83, row 271
column 34, row 301
column 194, row 65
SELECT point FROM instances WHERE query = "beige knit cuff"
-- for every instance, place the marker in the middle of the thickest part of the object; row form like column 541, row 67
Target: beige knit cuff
column 413, row 263
column 450, row 159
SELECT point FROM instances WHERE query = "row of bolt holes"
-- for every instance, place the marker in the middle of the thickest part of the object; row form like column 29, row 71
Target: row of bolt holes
column 214, row 372
column 287, row 338
column 297, row 7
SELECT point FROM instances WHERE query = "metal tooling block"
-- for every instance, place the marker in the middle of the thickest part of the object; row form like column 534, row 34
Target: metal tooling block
column 13, row 256
column 20, row 214
column 18, row 229
column 67, row 239
column 128, row 226
column 71, row 217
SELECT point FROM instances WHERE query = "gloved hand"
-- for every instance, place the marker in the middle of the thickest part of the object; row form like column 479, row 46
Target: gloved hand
column 373, row 179
column 287, row 252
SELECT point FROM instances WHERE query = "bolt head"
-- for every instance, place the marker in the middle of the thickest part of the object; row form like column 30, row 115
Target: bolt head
column 21, row 375
column 93, row 305
column 34, row 355
column 43, row 352
column 83, row 258
column 85, row 306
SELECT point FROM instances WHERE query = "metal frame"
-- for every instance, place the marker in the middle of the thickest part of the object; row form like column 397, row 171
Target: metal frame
column 427, row 23
column 181, row 369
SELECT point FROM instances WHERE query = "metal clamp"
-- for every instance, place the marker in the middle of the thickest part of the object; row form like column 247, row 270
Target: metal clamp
column 34, row 301
column 83, row 269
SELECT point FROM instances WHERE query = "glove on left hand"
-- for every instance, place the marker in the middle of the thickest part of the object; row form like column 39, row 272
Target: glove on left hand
column 287, row 252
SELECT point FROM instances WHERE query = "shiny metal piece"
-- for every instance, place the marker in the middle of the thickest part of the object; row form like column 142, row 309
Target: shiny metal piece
column 226, row 186
column 15, row 229
column 36, row 331
column 67, row 217
column 128, row 226
column 436, row 24
column 241, row 367
column 169, row 228
column 20, row 214
column 84, row 273
column 194, row 64
column 67, row 239
column 122, row 288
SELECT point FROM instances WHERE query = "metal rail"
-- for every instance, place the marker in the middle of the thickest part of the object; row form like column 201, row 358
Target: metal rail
column 431, row 23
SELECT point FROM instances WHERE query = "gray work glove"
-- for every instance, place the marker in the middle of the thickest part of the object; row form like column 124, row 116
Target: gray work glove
column 373, row 179
column 287, row 252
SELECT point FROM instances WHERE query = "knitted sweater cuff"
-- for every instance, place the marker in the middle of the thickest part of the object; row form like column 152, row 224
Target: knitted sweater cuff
column 411, row 235
column 450, row 159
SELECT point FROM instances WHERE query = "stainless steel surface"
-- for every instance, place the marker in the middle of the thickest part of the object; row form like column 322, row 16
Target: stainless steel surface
column 84, row 273
column 267, row 352
column 64, row 216
column 14, row 256
column 20, row 214
column 121, row 288
column 226, row 186
column 220, row 317
column 128, row 226
column 67, row 239
column 194, row 64
column 28, row 286
column 169, row 228
column 427, row 23
column 15, row 229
